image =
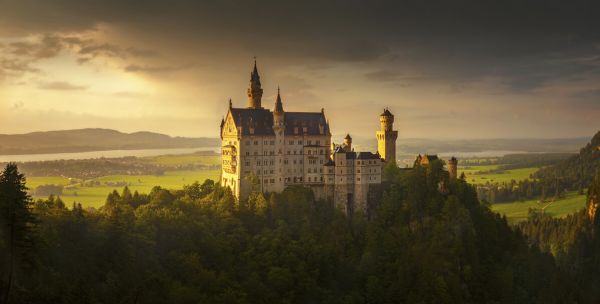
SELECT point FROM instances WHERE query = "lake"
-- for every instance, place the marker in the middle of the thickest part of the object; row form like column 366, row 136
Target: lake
column 106, row 154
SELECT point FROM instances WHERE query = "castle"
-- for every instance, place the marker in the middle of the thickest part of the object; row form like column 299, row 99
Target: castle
column 275, row 149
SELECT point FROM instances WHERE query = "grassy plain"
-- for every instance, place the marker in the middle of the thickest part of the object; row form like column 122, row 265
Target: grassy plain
column 94, row 196
column 518, row 211
column 479, row 175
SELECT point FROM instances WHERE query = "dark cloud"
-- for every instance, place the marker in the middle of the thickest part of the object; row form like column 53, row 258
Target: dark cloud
column 61, row 86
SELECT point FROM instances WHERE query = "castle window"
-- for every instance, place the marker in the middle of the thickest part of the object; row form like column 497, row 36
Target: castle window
column 321, row 151
column 256, row 142
column 300, row 161
column 309, row 170
column 358, row 179
column 247, row 163
column 273, row 181
column 289, row 152
column 247, row 153
column 309, row 152
column 318, row 142
column 309, row 180
column 294, row 151
column 258, row 163
column 255, row 153
column 358, row 171
column 291, row 142
column 309, row 142
column 271, row 171
column 285, row 161
column 265, row 142
column 247, row 143
column 299, row 142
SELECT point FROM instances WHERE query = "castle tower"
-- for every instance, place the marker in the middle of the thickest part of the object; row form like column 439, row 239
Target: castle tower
column 278, row 114
column 386, row 137
column 278, row 183
column 348, row 142
column 254, row 90
column 453, row 167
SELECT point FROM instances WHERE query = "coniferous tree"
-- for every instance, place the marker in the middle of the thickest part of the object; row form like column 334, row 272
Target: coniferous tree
column 16, row 227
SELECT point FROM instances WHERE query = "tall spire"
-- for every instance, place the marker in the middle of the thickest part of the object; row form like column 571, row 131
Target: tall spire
column 278, row 103
column 254, row 89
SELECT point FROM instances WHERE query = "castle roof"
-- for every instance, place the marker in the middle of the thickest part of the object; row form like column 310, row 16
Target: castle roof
column 387, row 113
column 296, row 123
column 259, row 119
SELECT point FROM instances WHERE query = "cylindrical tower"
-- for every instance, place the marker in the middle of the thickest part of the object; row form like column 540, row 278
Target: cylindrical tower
column 453, row 167
column 255, row 90
column 386, row 137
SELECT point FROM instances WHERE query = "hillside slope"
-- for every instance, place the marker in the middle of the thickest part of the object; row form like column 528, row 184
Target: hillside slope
column 577, row 171
column 82, row 140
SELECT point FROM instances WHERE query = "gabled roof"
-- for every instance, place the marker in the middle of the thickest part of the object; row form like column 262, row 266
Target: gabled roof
column 367, row 155
column 309, row 120
column 260, row 119
column 387, row 112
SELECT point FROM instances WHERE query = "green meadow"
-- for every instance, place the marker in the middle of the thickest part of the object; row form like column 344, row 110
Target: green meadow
column 518, row 211
column 94, row 196
column 93, row 192
column 480, row 175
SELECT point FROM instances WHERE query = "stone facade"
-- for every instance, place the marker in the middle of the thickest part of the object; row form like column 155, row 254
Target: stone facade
column 276, row 149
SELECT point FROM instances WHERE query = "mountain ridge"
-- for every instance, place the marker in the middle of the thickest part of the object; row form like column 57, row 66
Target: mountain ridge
column 94, row 139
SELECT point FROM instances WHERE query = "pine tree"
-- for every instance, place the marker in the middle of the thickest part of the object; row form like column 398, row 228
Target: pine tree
column 16, row 224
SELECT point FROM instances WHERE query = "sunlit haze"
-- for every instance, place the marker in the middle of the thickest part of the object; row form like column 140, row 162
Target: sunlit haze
column 517, row 70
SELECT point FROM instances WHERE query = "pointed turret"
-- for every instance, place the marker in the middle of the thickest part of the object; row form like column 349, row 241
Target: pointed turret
column 348, row 142
column 278, row 104
column 254, row 89
column 278, row 120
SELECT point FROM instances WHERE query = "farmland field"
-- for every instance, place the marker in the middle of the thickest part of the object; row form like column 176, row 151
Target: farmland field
column 517, row 211
column 94, row 196
column 93, row 192
column 480, row 175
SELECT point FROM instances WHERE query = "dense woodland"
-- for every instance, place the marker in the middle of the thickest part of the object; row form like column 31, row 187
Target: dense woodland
column 198, row 245
column 577, row 171
column 429, row 240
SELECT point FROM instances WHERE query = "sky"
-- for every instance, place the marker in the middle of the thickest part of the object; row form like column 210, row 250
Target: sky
column 446, row 69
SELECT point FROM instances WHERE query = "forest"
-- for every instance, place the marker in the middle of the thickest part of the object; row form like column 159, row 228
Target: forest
column 199, row 245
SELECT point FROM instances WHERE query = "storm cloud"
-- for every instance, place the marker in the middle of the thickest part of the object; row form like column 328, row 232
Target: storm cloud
column 491, row 48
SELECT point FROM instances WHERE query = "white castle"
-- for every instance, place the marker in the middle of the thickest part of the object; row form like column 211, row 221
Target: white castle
column 276, row 149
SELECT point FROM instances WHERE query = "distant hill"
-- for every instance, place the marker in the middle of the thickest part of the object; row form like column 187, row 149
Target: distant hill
column 578, row 170
column 83, row 140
